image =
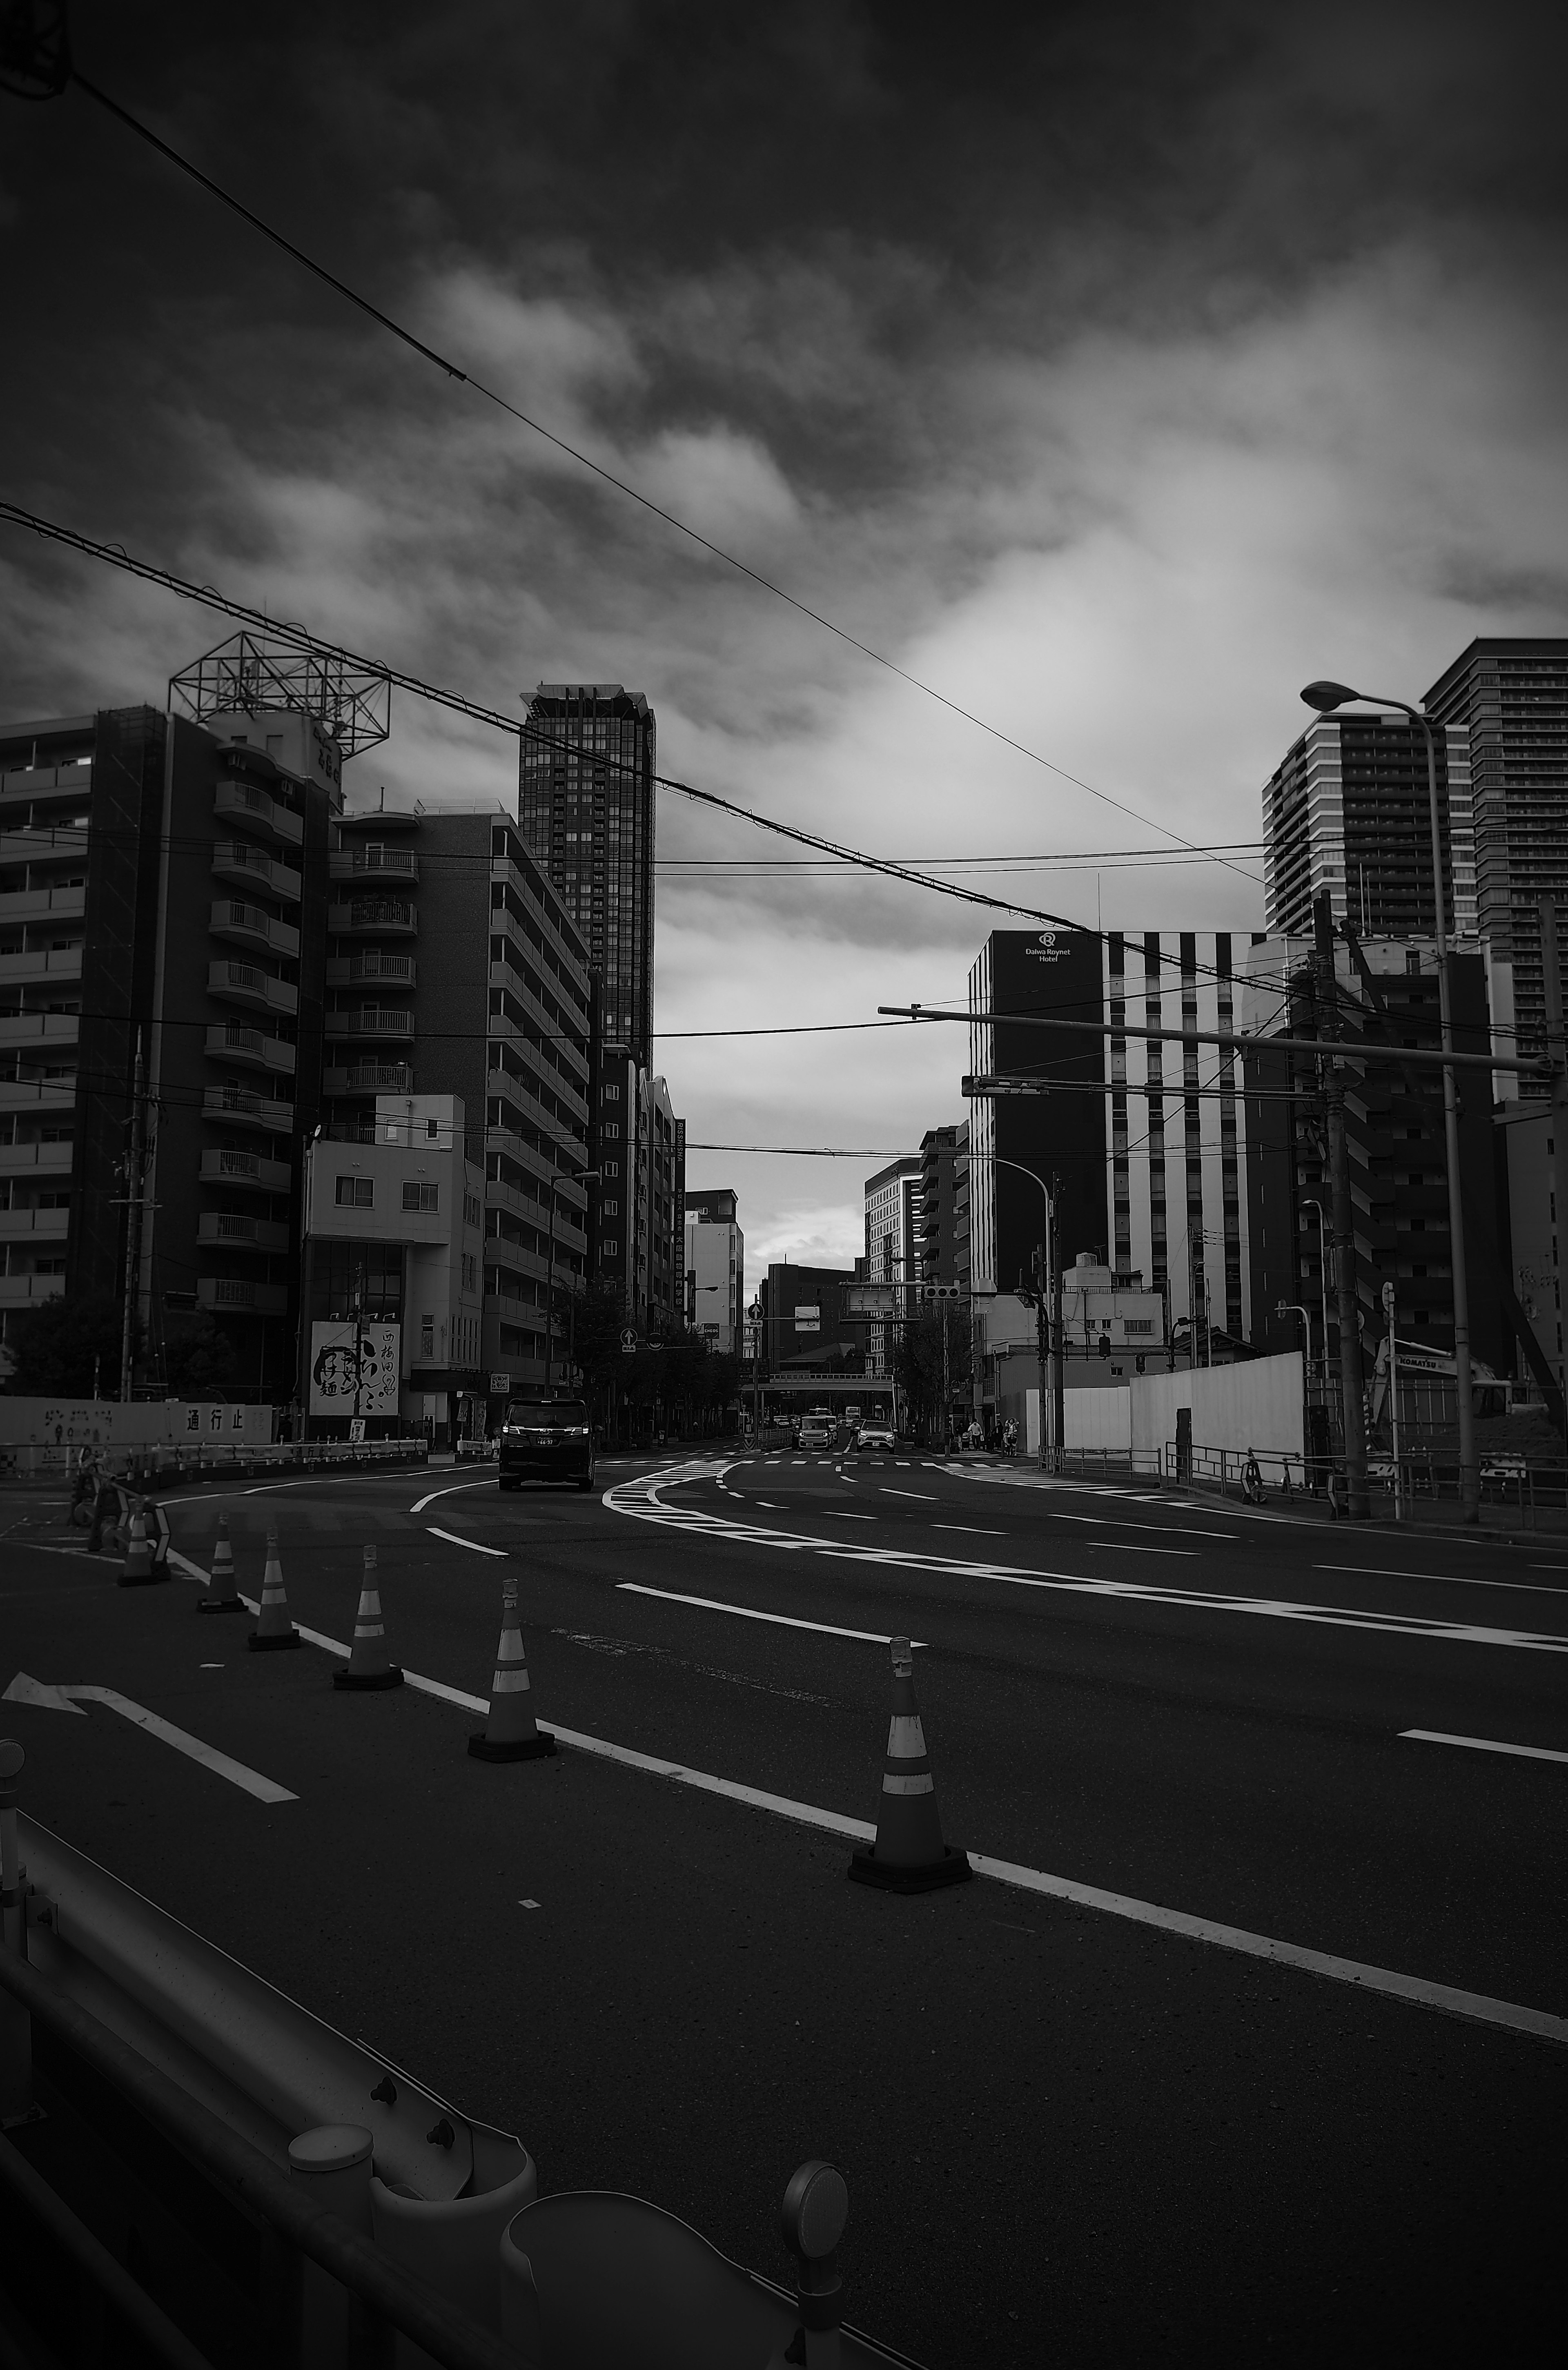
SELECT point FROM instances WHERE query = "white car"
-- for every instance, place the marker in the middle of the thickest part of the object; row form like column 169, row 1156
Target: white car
column 876, row 1435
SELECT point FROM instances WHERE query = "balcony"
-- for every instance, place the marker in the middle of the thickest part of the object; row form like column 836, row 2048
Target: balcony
column 354, row 971
column 228, row 1040
column 232, row 1230
column 44, row 1226
column 50, row 1098
column 382, row 917
column 232, row 1296
column 44, row 963
column 400, row 867
column 23, row 784
column 250, row 1171
column 251, row 926
column 35, row 1159
column 256, row 810
column 45, row 843
column 237, row 982
column 369, row 1078
column 237, row 1107
column 27, row 1291
column 249, row 867
column 43, row 904
column 369, row 1021
column 40, row 1031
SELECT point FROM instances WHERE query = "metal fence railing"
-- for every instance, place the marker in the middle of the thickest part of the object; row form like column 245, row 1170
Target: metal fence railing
column 164, row 1466
column 1513, row 1493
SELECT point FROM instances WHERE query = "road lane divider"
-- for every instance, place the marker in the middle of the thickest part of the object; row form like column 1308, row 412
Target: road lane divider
column 220, row 1581
column 451, row 1490
column 45, row 1697
column 370, row 1669
column 473, row 1546
column 1482, row 1744
column 750, row 1612
column 510, row 1732
column 909, row 1855
column 273, row 1627
column 927, row 1497
column 1454, row 1578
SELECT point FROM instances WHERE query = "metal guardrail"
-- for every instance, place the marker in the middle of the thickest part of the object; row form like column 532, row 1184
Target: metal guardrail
column 393, row 2299
column 167, row 1465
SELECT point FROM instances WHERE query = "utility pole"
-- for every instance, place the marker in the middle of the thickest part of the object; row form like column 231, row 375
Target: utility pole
column 1353, row 1412
column 1557, row 1055
column 136, row 1193
column 1058, row 1394
column 1042, row 1337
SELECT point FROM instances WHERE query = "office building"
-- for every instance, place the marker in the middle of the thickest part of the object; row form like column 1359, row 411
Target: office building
column 942, row 1252
column 1387, row 993
column 806, row 1324
column 1507, row 702
column 638, row 1248
column 716, row 1269
column 894, row 1214
column 1349, row 811
column 1146, row 1141
column 586, row 811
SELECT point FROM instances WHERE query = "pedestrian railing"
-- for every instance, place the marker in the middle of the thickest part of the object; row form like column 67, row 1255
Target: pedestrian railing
column 163, row 1464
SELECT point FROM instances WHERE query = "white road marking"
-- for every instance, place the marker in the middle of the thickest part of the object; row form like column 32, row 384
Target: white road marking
column 927, row 1497
column 449, row 1492
column 473, row 1545
column 842, row 1514
column 1178, row 1530
column 1126, row 1546
column 750, row 1612
column 970, row 1530
column 308, row 1481
column 1482, row 1744
column 24, row 1690
column 1459, row 1579
column 772, row 1509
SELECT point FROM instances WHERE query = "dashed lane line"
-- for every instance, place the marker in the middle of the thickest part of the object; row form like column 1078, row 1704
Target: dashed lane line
column 750, row 1612
column 1482, row 1744
column 927, row 1497
column 449, row 1492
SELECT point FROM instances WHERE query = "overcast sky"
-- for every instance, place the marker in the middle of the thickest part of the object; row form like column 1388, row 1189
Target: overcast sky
column 1112, row 372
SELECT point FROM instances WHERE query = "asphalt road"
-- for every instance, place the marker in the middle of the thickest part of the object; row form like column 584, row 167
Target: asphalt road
column 1066, row 2134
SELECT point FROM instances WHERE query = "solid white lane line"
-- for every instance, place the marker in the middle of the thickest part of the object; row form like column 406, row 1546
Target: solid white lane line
column 1178, row 1530
column 970, row 1530
column 750, row 1612
column 1482, row 1744
column 771, row 1508
column 1457, row 1579
column 451, row 1491
column 1476, row 2006
column 928, row 1497
column 308, row 1481
column 250, row 1781
column 1126, row 1546
column 473, row 1545
column 842, row 1514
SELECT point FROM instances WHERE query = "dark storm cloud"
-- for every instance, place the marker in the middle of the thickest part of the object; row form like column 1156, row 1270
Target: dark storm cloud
column 1114, row 369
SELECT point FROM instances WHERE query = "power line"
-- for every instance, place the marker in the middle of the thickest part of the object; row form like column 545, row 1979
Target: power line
column 300, row 638
column 465, row 378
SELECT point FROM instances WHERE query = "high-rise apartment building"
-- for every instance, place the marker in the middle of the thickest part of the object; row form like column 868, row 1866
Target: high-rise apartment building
column 716, row 1267
column 1507, row 702
column 943, row 1208
column 1349, row 811
column 1145, row 1141
column 638, row 1242
column 586, row 811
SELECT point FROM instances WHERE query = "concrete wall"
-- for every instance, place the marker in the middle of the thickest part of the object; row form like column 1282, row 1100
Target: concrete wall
column 1099, row 1417
column 1257, row 1404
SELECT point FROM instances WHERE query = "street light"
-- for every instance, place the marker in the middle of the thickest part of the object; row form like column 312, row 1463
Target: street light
column 1325, row 698
column 1045, row 1280
column 573, row 1177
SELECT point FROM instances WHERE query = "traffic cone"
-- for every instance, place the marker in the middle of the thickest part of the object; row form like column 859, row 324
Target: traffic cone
column 221, row 1597
column 909, row 1855
column 137, row 1571
column 274, row 1628
column 511, row 1734
column 368, row 1665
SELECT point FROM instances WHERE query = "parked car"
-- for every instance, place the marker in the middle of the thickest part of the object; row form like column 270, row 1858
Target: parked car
column 876, row 1435
column 546, row 1440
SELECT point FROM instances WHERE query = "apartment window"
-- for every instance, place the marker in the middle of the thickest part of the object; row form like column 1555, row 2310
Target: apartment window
column 612, row 1094
column 432, row 1131
column 609, row 1209
column 427, row 1337
column 470, row 1272
column 1137, row 1325
column 421, row 1197
column 612, row 1251
column 470, row 1209
column 612, row 1131
column 356, row 1193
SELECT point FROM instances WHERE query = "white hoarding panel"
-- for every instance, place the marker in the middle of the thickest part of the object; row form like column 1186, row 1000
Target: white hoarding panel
column 354, row 1370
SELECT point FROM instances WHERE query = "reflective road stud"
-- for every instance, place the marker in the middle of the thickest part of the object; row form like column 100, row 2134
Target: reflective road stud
column 274, row 1628
column 511, row 1734
column 909, row 1855
column 368, row 1665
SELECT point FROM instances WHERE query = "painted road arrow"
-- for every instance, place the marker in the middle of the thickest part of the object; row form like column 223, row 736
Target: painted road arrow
column 44, row 1698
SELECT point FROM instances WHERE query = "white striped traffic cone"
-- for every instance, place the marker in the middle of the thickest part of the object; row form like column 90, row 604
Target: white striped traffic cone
column 136, row 1572
column 221, row 1597
column 274, row 1628
column 909, row 1855
column 368, row 1666
column 510, row 1732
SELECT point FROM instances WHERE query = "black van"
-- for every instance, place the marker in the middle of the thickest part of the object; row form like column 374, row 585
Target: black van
column 546, row 1440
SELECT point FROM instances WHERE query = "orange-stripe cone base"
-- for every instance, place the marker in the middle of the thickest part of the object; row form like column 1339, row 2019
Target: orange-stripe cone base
column 368, row 1666
column 274, row 1630
column 909, row 1855
column 221, row 1597
column 138, row 1570
column 510, row 1732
